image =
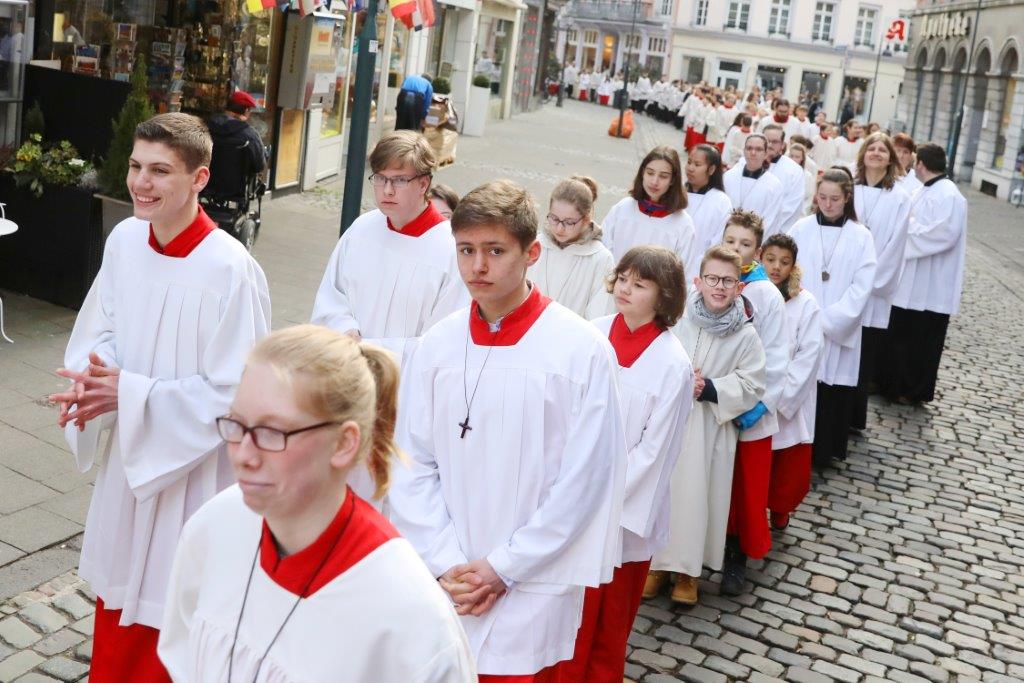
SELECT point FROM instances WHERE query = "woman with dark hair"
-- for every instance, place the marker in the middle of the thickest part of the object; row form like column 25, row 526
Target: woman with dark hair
column 837, row 255
column 654, row 212
column 708, row 204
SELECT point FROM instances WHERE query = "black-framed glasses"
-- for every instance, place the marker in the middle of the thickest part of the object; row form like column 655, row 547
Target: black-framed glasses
column 714, row 280
column 264, row 438
column 554, row 220
column 398, row 182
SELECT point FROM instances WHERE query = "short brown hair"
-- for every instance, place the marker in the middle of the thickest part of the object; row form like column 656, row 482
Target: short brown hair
column 905, row 141
column 781, row 240
column 662, row 267
column 746, row 219
column 445, row 194
column 675, row 196
column 499, row 202
column 404, row 147
column 722, row 253
column 187, row 135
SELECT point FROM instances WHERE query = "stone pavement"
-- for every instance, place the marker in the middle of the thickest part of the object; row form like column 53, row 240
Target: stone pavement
column 904, row 564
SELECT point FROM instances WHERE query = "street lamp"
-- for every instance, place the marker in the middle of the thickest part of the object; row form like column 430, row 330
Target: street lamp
column 954, row 141
column 874, row 87
column 560, row 97
column 625, row 76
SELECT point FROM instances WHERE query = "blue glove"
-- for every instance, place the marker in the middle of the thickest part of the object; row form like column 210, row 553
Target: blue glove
column 750, row 418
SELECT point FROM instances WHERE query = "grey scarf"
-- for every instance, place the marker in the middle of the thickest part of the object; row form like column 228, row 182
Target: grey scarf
column 720, row 325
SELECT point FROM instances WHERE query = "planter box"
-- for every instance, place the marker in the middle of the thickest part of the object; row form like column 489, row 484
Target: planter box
column 476, row 111
column 112, row 212
column 57, row 250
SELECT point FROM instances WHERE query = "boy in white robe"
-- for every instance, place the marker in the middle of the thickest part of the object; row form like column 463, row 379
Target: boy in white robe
column 790, row 125
column 748, row 533
column 824, row 151
column 905, row 149
column 790, row 175
column 155, row 354
column 735, row 140
column 848, row 146
column 516, row 455
column 393, row 273
column 312, row 405
column 751, row 187
column 729, row 365
column 837, row 255
column 791, row 445
column 573, row 263
column 930, row 285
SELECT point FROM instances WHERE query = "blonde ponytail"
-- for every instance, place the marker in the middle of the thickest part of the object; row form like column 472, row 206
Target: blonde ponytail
column 383, row 448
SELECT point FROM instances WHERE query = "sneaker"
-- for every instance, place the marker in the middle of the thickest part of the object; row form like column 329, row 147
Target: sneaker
column 685, row 590
column 734, row 575
column 780, row 520
column 653, row 584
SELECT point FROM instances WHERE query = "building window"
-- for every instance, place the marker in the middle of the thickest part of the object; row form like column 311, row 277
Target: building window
column 666, row 8
column 701, row 17
column 824, row 14
column 867, row 21
column 739, row 13
column 656, row 45
column 778, row 21
column 590, row 37
column 571, row 36
column 633, row 43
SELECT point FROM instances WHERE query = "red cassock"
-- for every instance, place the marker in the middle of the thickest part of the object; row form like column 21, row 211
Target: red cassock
column 790, row 478
column 750, row 478
column 551, row 674
column 693, row 138
column 124, row 653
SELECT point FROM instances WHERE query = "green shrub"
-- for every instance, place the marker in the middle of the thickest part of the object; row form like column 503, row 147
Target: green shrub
column 35, row 166
column 136, row 109
column 34, row 122
column 442, row 86
column 482, row 81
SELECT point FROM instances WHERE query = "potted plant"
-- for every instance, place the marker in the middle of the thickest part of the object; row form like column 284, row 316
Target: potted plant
column 477, row 106
column 442, row 86
column 114, row 198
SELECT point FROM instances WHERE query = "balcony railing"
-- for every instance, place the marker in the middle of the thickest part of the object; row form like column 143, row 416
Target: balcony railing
column 611, row 10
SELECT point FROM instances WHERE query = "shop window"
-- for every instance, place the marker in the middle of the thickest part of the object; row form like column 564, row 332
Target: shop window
column 856, row 92
column 778, row 20
column 824, row 16
column 493, row 36
column 693, row 70
column 770, row 77
column 739, row 14
column 867, row 21
column 812, row 86
column 13, row 55
column 335, row 59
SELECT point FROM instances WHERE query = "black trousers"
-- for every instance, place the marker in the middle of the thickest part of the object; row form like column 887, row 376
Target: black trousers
column 872, row 341
column 409, row 111
column 909, row 363
column 832, row 423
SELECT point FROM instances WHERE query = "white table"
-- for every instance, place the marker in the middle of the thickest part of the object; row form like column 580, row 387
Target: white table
column 6, row 228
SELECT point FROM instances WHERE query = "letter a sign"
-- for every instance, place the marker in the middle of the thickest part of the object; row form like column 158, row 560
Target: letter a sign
column 897, row 31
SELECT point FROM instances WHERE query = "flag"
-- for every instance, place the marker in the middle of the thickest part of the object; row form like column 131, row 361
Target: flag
column 268, row 4
column 402, row 10
column 254, row 6
column 421, row 15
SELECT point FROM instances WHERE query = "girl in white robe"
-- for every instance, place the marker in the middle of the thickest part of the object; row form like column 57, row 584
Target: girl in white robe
column 798, row 153
column 791, row 445
column 655, row 210
column 848, row 147
column 837, row 255
column 574, row 263
column 656, row 392
column 905, row 149
column 729, row 369
column 273, row 573
column 732, row 153
column 707, row 203
column 884, row 208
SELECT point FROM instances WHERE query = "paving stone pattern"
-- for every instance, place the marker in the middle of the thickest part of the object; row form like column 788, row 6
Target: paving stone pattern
column 904, row 563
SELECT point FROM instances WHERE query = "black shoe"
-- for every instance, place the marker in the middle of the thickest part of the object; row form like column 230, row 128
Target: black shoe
column 734, row 575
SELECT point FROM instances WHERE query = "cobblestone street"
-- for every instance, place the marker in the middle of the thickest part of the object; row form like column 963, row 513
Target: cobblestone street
column 906, row 563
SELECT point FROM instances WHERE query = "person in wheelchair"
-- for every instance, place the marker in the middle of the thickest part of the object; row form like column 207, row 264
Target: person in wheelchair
column 234, row 195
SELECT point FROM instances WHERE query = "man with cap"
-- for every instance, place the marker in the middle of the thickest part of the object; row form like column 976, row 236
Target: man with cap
column 232, row 127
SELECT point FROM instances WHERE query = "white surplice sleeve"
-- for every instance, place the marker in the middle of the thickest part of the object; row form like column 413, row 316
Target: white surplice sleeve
column 890, row 254
column 775, row 342
column 609, row 226
column 840, row 320
column 167, row 426
column 652, row 460
column 415, row 501
column 601, row 302
column 741, row 389
column 332, row 308
column 802, row 373
column 935, row 226
column 187, row 575
column 687, row 247
column 566, row 539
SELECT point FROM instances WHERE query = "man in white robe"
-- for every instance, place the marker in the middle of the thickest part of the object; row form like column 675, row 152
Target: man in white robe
column 751, row 187
column 790, row 174
column 156, row 353
column 509, row 416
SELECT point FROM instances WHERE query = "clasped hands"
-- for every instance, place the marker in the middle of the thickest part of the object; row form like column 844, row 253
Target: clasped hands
column 474, row 587
column 92, row 393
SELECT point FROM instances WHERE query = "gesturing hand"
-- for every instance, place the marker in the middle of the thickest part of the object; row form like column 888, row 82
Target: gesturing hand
column 93, row 393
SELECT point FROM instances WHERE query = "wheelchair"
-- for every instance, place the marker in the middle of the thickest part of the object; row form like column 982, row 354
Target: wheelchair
column 234, row 196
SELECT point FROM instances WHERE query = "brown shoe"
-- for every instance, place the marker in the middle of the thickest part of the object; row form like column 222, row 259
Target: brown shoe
column 685, row 590
column 653, row 584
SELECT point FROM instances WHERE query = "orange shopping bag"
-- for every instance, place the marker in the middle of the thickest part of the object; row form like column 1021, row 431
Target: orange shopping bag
column 627, row 125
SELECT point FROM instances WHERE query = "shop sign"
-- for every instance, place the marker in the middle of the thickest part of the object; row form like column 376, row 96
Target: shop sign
column 948, row 25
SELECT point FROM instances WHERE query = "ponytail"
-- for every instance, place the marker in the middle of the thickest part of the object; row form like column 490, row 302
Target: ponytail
column 383, row 449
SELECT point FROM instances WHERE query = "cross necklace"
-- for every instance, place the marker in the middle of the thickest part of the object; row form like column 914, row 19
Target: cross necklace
column 465, row 370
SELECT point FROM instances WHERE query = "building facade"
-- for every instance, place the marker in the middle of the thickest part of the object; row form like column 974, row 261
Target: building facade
column 602, row 35
column 970, row 53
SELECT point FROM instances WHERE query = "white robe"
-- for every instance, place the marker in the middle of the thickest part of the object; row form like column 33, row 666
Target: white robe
column 626, row 226
column 933, row 269
column 389, row 286
column 885, row 213
column 701, row 485
column 794, row 188
column 764, row 196
column 846, row 152
column 791, row 127
column 180, row 330
column 823, row 152
column 798, row 402
column 724, row 116
column 384, row 619
column 574, row 275
column 910, row 183
column 844, row 296
column 535, row 487
column 735, row 139
column 710, row 212
column 770, row 323
column 656, row 394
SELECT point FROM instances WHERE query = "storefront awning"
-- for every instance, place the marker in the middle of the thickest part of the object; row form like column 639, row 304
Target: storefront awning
column 461, row 4
column 514, row 4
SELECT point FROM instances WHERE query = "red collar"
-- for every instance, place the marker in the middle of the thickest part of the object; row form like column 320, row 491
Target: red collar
column 362, row 530
column 728, row 106
column 418, row 226
column 514, row 325
column 631, row 345
column 824, row 135
column 849, row 139
column 778, row 120
column 186, row 240
column 744, row 130
column 649, row 208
